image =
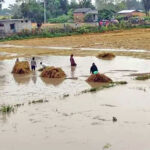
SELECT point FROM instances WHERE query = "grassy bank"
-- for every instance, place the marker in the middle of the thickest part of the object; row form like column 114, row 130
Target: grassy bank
column 68, row 31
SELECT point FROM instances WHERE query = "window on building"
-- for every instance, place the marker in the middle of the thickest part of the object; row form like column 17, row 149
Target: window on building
column 12, row 26
column 1, row 25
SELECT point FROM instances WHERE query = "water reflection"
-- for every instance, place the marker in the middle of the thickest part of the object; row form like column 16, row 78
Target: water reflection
column 5, row 116
column 73, row 68
column 22, row 79
column 96, row 85
column 34, row 77
column 54, row 82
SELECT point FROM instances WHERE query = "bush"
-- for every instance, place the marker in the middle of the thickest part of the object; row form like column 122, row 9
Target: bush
column 87, row 29
column 60, row 19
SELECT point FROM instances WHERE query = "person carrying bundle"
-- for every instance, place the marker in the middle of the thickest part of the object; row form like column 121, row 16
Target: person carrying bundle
column 94, row 69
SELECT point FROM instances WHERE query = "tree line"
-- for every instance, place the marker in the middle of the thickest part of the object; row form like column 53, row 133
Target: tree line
column 34, row 9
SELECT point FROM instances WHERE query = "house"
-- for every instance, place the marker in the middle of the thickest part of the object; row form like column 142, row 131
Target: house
column 80, row 13
column 10, row 26
column 131, row 13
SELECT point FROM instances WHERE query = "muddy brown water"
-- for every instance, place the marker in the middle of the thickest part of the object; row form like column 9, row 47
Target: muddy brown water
column 81, row 122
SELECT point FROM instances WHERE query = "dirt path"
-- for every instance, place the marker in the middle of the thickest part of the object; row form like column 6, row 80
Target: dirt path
column 128, row 39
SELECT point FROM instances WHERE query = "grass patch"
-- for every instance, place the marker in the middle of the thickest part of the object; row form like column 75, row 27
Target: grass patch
column 105, row 86
column 107, row 146
column 37, row 101
column 144, row 77
column 65, row 95
column 68, row 31
column 6, row 109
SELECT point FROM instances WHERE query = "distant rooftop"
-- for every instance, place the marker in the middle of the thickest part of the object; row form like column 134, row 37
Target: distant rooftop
column 86, row 10
column 128, row 11
column 82, row 10
column 9, row 20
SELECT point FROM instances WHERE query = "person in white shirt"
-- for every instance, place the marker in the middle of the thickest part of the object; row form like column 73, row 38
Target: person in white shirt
column 33, row 64
column 43, row 65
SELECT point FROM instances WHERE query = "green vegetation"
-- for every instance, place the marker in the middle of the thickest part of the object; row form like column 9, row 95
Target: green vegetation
column 6, row 108
column 68, row 31
column 144, row 77
column 104, row 86
column 65, row 95
column 38, row 101
column 59, row 19
column 58, row 11
column 107, row 146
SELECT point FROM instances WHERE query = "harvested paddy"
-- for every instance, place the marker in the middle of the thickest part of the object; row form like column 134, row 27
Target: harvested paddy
column 133, row 42
column 126, row 39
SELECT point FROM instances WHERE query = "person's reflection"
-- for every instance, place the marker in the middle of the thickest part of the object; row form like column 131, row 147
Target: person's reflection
column 73, row 68
column 34, row 77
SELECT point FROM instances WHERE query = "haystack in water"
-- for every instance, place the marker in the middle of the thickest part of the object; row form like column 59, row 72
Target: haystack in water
column 106, row 56
column 52, row 72
column 101, row 78
column 21, row 67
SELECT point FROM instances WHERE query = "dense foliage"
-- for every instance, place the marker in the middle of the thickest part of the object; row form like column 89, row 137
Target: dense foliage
column 146, row 4
column 60, row 11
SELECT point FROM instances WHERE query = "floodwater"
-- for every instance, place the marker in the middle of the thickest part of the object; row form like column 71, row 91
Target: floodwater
column 82, row 122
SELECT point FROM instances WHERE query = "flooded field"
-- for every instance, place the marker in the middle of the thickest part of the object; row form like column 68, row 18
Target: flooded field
column 32, row 87
column 76, row 121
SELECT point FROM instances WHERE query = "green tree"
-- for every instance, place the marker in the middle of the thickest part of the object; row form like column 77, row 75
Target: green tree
column 64, row 6
column 73, row 4
column 86, row 4
column 32, row 10
column 146, row 4
column 15, row 11
column 105, row 14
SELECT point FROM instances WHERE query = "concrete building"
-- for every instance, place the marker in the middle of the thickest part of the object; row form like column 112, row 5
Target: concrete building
column 131, row 13
column 80, row 13
column 11, row 26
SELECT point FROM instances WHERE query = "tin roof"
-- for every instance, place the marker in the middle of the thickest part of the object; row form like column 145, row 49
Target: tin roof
column 127, row 11
column 10, row 20
column 82, row 10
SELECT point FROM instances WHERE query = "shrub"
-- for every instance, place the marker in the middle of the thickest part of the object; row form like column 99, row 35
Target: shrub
column 60, row 19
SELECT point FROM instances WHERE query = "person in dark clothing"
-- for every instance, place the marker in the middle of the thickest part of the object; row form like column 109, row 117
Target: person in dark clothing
column 33, row 64
column 72, row 60
column 93, row 69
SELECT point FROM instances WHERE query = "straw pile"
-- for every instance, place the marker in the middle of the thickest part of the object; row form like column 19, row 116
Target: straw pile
column 99, row 78
column 52, row 72
column 106, row 55
column 21, row 67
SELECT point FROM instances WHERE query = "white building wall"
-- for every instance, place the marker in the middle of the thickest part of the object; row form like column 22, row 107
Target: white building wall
column 18, row 24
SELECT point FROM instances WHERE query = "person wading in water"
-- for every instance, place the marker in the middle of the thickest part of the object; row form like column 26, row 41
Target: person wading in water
column 33, row 64
column 72, row 60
